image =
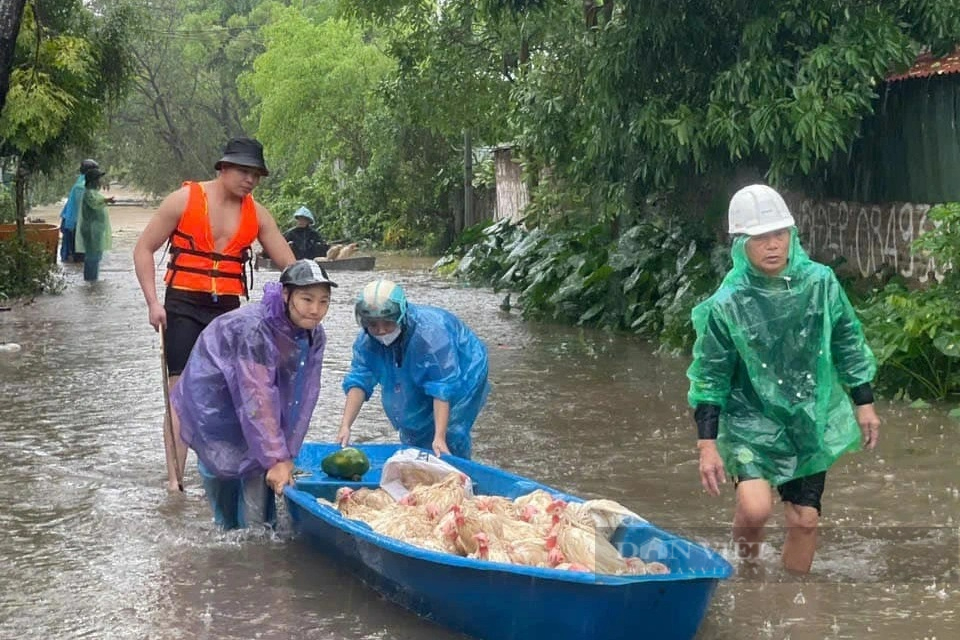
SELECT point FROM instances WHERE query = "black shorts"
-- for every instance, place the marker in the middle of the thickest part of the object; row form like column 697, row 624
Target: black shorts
column 803, row 492
column 188, row 313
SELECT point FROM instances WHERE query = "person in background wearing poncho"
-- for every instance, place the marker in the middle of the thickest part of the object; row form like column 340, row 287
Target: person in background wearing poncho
column 94, row 235
column 70, row 213
column 776, row 345
column 248, row 391
column 431, row 368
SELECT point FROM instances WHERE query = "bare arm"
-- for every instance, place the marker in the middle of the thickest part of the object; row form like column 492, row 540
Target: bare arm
column 272, row 240
column 156, row 232
column 355, row 399
column 441, row 419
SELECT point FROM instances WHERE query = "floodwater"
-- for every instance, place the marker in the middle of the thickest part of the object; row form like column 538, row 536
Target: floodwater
column 92, row 545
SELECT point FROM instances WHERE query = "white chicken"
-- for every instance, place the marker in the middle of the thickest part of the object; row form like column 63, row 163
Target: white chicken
column 538, row 498
column 489, row 550
column 496, row 504
column 443, row 495
column 529, row 551
column 581, row 546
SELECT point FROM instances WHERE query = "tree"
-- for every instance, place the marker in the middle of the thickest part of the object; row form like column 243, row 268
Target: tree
column 184, row 102
column 314, row 86
column 10, row 15
column 668, row 90
column 68, row 61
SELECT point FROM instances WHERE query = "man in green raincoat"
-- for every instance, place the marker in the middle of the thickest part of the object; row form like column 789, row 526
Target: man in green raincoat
column 777, row 345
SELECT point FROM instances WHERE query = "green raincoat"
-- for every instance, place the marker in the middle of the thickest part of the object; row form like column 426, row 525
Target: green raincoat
column 94, row 234
column 773, row 353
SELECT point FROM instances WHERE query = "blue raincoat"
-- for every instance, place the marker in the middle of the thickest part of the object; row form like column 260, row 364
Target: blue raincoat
column 436, row 356
column 249, row 389
column 71, row 210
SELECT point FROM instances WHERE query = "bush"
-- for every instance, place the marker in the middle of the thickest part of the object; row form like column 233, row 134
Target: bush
column 646, row 281
column 26, row 270
column 915, row 334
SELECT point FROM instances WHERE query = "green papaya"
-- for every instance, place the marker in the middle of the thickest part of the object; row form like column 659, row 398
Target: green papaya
column 346, row 464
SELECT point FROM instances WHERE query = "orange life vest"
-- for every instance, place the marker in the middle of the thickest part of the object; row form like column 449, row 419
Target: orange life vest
column 194, row 265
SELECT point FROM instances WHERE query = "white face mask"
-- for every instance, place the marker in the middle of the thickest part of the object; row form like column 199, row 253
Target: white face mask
column 388, row 339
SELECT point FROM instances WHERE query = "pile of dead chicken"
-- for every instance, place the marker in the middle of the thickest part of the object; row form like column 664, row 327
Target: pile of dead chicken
column 535, row 529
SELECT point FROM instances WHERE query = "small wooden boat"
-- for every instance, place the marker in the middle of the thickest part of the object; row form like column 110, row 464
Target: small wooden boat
column 497, row 601
column 353, row 263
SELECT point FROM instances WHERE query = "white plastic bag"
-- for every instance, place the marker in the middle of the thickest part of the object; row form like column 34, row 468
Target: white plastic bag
column 408, row 468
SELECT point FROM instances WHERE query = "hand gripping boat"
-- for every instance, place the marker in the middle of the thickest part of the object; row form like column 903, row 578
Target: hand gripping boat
column 496, row 601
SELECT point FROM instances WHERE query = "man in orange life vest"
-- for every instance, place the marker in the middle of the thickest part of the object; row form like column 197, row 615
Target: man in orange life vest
column 210, row 226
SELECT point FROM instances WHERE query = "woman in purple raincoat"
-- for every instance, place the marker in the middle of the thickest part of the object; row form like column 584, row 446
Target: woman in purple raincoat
column 248, row 391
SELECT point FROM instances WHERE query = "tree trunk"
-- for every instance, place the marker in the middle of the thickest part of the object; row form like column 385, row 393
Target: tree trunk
column 11, row 12
column 20, row 196
column 467, row 182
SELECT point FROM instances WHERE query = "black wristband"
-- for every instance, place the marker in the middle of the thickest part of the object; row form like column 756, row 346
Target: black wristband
column 862, row 394
column 708, row 421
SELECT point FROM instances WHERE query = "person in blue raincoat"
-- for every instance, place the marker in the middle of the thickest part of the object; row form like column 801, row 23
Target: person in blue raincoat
column 70, row 213
column 779, row 356
column 248, row 391
column 431, row 368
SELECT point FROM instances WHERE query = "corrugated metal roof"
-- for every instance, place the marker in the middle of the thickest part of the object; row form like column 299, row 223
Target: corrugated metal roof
column 926, row 65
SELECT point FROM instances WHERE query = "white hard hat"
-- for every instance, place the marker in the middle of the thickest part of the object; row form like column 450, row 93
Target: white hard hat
column 758, row 209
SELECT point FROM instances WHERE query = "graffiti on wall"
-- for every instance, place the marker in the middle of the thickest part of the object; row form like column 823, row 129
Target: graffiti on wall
column 869, row 238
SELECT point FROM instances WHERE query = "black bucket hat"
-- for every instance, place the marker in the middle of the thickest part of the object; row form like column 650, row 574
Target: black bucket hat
column 245, row 152
column 93, row 173
column 88, row 164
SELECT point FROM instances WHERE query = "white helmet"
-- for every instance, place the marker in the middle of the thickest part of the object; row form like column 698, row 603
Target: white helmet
column 758, row 209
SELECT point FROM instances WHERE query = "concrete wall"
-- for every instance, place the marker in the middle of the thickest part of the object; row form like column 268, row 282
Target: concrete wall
column 870, row 237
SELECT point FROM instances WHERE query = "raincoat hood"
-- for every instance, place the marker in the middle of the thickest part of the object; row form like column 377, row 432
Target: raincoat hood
column 798, row 261
column 774, row 352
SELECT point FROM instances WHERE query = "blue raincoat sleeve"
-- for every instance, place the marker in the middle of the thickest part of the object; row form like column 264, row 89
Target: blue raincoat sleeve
column 715, row 357
column 364, row 368
column 257, row 399
column 852, row 357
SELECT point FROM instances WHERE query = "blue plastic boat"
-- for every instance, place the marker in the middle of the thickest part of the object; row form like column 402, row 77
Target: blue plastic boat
column 494, row 601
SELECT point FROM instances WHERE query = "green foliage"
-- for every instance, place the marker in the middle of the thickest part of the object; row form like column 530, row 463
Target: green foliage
column 183, row 104
column 915, row 334
column 646, row 281
column 314, row 84
column 26, row 270
column 368, row 171
column 8, row 208
column 780, row 85
column 68, row 61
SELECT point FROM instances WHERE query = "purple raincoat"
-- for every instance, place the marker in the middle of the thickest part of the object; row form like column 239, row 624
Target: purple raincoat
column 249, row 388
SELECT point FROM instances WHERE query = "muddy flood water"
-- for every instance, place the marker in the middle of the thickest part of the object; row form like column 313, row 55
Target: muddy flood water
column 93, row 546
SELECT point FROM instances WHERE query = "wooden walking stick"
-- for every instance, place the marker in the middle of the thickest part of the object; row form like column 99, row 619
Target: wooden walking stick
column 169, row 438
